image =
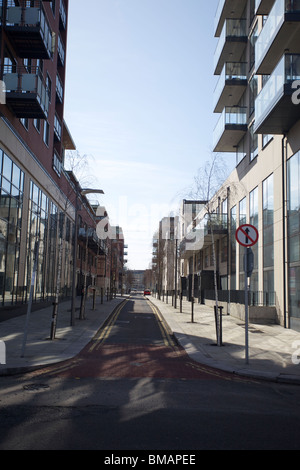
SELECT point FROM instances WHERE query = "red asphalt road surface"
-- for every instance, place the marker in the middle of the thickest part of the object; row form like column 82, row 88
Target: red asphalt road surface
column 106, row 357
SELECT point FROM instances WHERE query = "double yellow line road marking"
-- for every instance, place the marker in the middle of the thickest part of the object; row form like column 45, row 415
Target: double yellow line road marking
column 104, row 332
column 168, row 341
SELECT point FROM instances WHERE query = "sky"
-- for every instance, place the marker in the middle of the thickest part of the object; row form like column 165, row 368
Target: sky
column 138, row 104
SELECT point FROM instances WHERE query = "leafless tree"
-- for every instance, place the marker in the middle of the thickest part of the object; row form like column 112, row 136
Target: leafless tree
column 79, row 166
column 207, row 182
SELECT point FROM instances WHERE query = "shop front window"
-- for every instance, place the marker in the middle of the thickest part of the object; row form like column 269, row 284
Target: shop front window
column 11, row 205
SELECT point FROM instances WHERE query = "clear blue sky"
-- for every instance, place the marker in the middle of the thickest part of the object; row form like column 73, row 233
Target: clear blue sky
column 139, row 95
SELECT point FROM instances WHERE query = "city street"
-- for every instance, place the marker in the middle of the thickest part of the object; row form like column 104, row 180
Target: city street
column 133, row 388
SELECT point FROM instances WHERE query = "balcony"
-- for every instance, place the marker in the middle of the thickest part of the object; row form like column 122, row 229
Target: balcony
column 279, row 34
column 230, row 129
column 192, row 243
column 216, row 223
column 200, row 236
column 275, row 112
column 231, row 44
column 231, row 85
column 28, row 30
column 90, row 238
column 26, row 92
column 228, row 9
column 263, row 7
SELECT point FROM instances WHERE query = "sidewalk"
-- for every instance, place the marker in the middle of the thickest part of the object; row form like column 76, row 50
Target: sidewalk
column 68, row 342
column 271, row 347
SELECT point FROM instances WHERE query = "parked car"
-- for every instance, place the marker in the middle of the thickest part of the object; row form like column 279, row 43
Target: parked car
column 147, row 292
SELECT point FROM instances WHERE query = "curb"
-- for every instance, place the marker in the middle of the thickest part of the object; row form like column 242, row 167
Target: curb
column 10, row 371
column 184, row 341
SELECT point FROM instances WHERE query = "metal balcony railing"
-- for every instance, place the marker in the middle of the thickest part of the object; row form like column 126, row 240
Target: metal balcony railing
column 273, row 24
column 26, row 91
column 28, row 28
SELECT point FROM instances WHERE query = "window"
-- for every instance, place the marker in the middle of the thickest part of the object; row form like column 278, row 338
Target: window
column 253, row 212
column 253, row 143
column 52, row 5
column 268, row 234
column 252, row 94
column 293, row 174
column 253, row 39
column 46, row 133
column 242, row 220
column 11, row 206
column 57, row 165
column 37, row 124
column 233, row 228
column 266, row 138
column 49, row 87
column 241, row 151
column 25, row 122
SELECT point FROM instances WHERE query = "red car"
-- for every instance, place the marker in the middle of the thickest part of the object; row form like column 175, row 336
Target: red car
column 147, row 292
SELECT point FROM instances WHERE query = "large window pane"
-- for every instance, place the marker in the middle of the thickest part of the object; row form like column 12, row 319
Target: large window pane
column 268, row 234
column 11, row 198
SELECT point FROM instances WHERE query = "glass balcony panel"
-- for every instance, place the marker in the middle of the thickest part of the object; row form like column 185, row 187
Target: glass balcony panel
column 278, row 90
column 227, row 9
column 233, row 33
column 21, row 25
column 274, row 23
column 26, row 93
column 231, row 127
column 233, row 75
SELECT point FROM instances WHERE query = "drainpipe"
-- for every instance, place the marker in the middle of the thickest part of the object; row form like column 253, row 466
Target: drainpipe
column 283, row 146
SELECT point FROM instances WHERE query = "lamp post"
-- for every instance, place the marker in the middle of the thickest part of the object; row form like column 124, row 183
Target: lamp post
column 81, row 192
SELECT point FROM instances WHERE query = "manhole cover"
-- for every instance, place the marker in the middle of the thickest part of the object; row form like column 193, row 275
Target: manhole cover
column 35, row 387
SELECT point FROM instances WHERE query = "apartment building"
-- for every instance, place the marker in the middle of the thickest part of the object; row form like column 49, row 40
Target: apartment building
column 39, row 200
column 256, row 101
column 33, row 139
column 257, row 61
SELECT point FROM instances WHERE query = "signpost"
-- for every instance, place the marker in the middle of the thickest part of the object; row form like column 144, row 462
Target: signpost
column 247, row 235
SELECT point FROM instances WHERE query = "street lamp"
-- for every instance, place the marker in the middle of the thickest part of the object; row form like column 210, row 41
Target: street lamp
column 82, row 192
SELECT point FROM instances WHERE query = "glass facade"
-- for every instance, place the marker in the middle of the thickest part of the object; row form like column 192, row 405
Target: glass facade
column 233, row 227
column 11, row 206
column 293, row 171
column 253, row 201
column 268, row 237
column 242, row 220
column 53, row 229
column 45, row 224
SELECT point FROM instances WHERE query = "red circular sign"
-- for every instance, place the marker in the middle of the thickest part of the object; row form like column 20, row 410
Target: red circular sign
column 246, row 235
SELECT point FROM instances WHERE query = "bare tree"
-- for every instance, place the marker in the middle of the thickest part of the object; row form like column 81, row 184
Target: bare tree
column 79, row 166
column 206, row 185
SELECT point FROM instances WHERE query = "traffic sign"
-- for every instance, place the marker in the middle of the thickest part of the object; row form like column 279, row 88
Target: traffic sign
column 246, row 235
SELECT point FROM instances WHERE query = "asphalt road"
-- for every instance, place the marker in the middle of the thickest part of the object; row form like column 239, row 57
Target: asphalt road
column 134, row 389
